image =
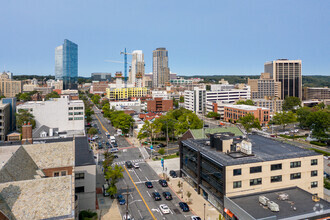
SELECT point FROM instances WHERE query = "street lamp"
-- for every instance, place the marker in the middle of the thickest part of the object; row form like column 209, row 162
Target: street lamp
column 204, row 210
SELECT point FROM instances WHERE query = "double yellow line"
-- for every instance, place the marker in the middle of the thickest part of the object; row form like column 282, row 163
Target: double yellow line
column 152, row 215
column 101, row 124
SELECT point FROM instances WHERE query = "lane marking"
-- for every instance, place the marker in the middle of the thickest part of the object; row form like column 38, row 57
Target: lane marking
column 137, row 176
column 140, row 213
column 148, row 193
column 152, row 215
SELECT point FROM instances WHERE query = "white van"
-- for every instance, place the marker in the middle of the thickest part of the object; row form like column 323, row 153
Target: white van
column 119, row 132
column 112, row 139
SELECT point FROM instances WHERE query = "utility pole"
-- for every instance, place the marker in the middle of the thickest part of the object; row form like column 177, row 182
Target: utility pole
column 127, row 202
column 167, row 136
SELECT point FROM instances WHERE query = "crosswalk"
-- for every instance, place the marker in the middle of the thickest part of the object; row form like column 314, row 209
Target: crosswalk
column 133, row 161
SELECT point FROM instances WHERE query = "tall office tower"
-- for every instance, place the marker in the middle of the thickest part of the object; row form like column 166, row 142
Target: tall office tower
column 288, row 72
column 66, row 64
column 137, row 66
column 160, row 69
column 264, row 87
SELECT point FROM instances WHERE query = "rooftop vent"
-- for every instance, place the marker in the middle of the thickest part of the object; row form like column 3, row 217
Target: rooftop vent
column 283, row 196
column 274, row 207
column 263, row 200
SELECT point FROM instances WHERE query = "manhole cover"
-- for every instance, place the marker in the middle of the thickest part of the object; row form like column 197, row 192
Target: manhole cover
column 176, row 211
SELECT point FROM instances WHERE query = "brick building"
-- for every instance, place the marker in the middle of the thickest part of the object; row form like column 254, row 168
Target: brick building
column 159, row 105
column 234, row 112
column 99, row 87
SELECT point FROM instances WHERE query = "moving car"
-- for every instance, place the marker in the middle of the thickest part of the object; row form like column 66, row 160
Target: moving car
column 173, row 174
column 104, row 190
column 136, row 165
column 112, row 139
column 128, row 164
column 149, row 184
column 195, row 218
column 184, row 206
column 164, row 209
column 161, row 145
column 167, row 195
column 121, row 199
column 163, row 183
column 156, row 196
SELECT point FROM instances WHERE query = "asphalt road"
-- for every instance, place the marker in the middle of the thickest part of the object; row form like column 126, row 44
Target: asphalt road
column 141, row 205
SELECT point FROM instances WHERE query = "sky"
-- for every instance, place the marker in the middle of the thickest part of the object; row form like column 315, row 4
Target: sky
column 205, row 37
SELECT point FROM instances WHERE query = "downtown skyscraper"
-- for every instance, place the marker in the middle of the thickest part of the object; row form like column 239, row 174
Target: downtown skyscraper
column 137, row 69
column 160, row 69
column 66, row 64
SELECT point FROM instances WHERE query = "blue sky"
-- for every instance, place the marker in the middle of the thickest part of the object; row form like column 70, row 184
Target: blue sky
column 209, row 37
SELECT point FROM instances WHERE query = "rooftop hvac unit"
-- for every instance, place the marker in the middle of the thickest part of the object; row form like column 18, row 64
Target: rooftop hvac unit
column 263, row 200
column 246, row 147
column 283, row 196
column 274, row 207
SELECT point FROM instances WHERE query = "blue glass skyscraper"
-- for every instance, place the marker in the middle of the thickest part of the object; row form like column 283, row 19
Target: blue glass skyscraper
column 66, row 64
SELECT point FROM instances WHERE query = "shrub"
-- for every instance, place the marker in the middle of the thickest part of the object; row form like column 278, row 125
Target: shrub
column 87, row 215
column 318, row 143
column 320, row 151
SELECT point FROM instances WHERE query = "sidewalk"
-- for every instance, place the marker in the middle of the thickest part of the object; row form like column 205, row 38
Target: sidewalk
column 197, row 201
column 113, row 213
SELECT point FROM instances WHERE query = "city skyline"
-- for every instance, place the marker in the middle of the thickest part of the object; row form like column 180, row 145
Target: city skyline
column 212, row 43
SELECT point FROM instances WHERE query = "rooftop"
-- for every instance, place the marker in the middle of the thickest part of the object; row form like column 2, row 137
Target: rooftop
column 246, row 107
column 84, row 155
column 263, row 149
column 298, row 198
column 198, row 133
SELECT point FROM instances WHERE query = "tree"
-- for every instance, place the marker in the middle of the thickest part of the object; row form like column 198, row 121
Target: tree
column 52, row 95
column 2, row 96
column 302, row 115
column 319, row 123
column 161, row 151
column 92, row 131
column 23, row 97
column 96, row 99
column 104, row 102
column 188, row 193
column 181, row 99
column 290, row 103
column 249, row 122
column 108, row 160
column 245, row 102
column 284, row 118
column 24, row 116
column 113, row 174
column 213, row 115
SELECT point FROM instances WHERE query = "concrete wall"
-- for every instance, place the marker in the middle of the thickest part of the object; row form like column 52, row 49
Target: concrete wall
column 87, row 198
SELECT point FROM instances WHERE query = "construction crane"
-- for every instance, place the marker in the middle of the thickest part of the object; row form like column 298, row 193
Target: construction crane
column 125, row 65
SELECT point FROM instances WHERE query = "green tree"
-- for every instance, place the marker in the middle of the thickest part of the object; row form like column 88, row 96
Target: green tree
column 187, row 121
column 23, row 97
column 249, row 122
column 319, row 123
column 24, row 116
column 213, row 115
column 284, row 118
column 113, row 175
column 96, row 99
column 104, row 102
column 92, row 131
column 245, row 102
column 2, row 96
column 302, row 115
column 52, row 95
column 290, row 103
column 108, row 160
column 181, row 99
column 161, row 151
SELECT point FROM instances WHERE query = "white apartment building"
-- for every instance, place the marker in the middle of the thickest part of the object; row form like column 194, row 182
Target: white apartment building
column 194, row 100
column 135, row 105
column 159, row 94
column 62, row 113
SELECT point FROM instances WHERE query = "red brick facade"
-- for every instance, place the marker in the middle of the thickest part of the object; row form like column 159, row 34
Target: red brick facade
column 159, row 105
column 51, row 171
column 232, row 114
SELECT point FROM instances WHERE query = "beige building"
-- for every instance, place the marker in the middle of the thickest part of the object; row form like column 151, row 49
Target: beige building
column 288, row 72
column 137, row 68
column 316, row 93
column 8, row 87
column 4, row 121
column 160, row 69
column 274, row 104
column 264, row 86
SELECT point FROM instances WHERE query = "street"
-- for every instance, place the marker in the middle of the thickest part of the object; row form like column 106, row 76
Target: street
column 141, row 205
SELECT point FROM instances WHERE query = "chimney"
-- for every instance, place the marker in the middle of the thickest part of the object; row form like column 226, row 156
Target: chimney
column 27, row 133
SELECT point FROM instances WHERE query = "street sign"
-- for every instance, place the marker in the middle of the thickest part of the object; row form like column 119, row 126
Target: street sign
column 162, row 161
column 151, row 147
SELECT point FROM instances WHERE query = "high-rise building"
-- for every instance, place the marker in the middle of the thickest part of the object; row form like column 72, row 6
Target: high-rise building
column 4, row 121
column 160, row 69
column 288, row 72
column 265, row 86
column 66, row 64
column 12, row 108
column 101, row 76
column 137, row 67
column 8, row 87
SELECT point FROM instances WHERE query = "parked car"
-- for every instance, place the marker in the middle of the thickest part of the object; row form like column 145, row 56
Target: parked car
column 113, row 150
column 121, row 199
column 115, row 144
column 206, row 126
column 163, row 183
column 173, row 174
column 136, row 165
column 161, row 145
column 167, row 195
column 127, row 217
column 149, row 184
column 184, row 206
column 129, row 164
column 156, row 196
column 326, row 175
column 104, row 190
column 164, row 209
column 115, row 156
column 195, row 218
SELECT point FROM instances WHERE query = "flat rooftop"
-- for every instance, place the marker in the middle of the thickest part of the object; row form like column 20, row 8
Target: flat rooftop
column 298, row 199
column 246, row 107
column 263, row 149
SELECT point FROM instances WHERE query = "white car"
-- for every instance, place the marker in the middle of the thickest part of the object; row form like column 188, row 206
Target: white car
column 136, row 165
column 164, row 208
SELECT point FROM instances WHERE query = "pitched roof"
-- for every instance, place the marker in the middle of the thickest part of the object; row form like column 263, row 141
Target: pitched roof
column 198, row 133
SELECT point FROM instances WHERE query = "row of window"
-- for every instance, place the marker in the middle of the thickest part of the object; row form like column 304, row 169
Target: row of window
column 76, row 113
column 258, row 169
column 60, row 173
column 76, row 118
column 76, row 108
column 273, row 179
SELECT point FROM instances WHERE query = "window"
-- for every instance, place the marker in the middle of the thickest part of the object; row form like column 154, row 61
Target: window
column 254, row 182
column 274, row 179
column 237, row 172
column 56, row 174
column 314, row 184
column 276, row 166
column 314, row 162
column 294, row 176
column 237, row 184
column 79, row 176
column 78, row 113
column 255, row 169
column 295, row 164
column 70, row 108
column 70, row 113
column 78, row 118
column 78, row 108
column 63, row 173
column 70, row 119
column 80, row 189
column 314, row 173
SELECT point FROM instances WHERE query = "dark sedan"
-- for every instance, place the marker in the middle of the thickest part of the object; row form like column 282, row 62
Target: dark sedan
column 156, row 196
column 167, row 195
column 149, row 184
column 173, row 174
column 121, row 200
column 163, row 183
column 184, row 206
